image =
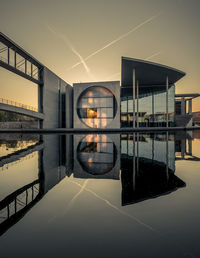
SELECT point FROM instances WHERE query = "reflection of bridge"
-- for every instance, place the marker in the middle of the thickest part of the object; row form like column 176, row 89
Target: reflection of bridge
column 7, row 165
column 12, row 106
column 16, row 205
column 20, row 154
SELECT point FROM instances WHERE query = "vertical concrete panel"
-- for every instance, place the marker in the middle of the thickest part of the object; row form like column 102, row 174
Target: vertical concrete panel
column 53, row 91
column 50, row 99
column 51, row 161
column 69, row 106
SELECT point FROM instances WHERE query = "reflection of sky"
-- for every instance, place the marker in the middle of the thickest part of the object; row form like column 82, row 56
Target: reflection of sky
column 12, row 146
column 152, row 150
column 18, row 175
column 96, row 214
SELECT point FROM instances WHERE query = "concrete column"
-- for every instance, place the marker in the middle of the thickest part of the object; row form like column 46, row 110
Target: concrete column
column 133, row 98
column 190, row 147
column 167, row 115
column 190, row 106
column 153, row 106
column 138, row 153
column 183, row 107
column 134, row 172
column 40, row 98
column 137, row 92
column 183, row 148
column 167, row 156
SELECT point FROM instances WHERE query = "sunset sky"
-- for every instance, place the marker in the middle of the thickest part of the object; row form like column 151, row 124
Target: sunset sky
column 62, row 33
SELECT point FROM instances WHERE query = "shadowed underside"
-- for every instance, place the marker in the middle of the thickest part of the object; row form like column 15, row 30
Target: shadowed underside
column 147, row 73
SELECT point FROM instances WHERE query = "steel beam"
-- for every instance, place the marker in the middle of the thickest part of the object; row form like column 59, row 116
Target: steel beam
column 15, row 70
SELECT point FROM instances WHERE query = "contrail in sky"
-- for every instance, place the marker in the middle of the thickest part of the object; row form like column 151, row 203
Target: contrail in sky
column 156, row 54
column 66, row 40
column 117, row 39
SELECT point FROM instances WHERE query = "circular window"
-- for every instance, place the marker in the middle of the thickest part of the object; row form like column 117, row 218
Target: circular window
column 96, row 154
column 96, row 107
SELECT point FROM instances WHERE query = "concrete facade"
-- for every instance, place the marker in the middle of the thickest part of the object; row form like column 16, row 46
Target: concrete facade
column 79, row 88
column 54, row 91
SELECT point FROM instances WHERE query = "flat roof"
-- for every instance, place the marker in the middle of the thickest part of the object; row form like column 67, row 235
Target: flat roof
column 187, row 95
column 147, row 73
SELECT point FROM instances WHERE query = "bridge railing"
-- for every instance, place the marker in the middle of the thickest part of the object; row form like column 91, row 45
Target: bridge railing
column 16, row 104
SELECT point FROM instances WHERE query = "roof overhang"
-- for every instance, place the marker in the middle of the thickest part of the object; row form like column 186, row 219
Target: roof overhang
column 147, row 73
column 187, row 96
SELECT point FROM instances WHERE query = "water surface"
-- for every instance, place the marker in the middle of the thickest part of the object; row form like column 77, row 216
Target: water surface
column 129, row 195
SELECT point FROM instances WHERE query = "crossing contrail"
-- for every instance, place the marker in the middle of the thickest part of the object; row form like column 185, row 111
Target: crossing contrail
column 115, row 207
column 156, row 54
column 69, row 44
column 117, row 39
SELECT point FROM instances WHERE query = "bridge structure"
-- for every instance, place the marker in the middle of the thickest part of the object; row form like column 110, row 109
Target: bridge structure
column 54, row 94
column 18, row 155
column 15, row 107
column 14, row 206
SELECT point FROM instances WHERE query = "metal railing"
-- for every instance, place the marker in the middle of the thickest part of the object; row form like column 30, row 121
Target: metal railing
column 16, row 104
column 13, row 163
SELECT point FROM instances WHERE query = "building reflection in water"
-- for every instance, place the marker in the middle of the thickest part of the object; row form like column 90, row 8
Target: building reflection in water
column 95, row 156
column 146, row 163
column 147, row 167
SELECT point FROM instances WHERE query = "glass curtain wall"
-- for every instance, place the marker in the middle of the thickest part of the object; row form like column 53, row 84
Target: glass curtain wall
column 152, row 107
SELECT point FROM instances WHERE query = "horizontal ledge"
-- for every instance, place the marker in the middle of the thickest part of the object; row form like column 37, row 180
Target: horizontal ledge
column 90, row 131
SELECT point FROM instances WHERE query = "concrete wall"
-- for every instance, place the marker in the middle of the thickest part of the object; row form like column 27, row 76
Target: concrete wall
column 183, row 120
column 69, row 107
column 114, row 87
column 53, row 171
column 53, row 89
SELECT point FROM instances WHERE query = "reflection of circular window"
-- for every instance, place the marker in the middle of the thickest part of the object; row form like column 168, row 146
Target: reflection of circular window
column 96, row 107
column 96, row 154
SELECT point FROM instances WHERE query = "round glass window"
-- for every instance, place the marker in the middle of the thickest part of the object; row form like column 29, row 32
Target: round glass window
column 96, row 107
column 96, row 154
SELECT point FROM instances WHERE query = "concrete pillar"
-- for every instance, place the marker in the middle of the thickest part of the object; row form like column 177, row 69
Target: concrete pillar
column 133, row 98
column 183, row 148
column 183, row 107
column 167, row 115
column 40, row 98
column 190, row 147
column 167, row 156
column 137, row 92
column 153, row 107
column 134, row 172
column 190, row 106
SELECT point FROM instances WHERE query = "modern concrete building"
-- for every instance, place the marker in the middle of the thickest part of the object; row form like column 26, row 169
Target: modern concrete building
column 145, row 98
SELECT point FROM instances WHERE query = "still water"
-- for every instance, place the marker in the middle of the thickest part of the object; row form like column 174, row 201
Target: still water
column 128, row 195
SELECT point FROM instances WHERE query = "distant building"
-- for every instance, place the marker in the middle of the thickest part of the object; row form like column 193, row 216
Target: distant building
column 196, row 118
